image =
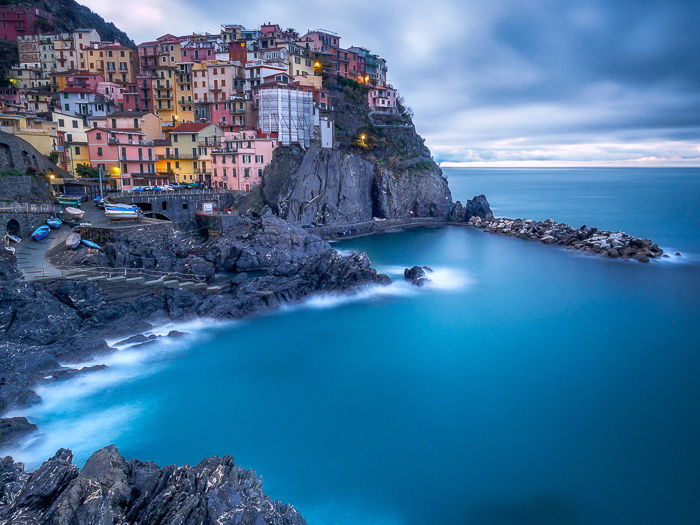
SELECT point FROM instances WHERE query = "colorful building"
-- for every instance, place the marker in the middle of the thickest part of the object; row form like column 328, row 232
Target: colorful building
column 240, row 163
column 126, row 157
column 187, row 156
column 19, row 20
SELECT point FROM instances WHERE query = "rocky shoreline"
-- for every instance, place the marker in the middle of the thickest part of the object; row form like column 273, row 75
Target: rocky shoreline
column 109, row 489
column 591, row 240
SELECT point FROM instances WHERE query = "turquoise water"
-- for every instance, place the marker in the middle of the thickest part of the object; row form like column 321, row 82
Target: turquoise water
column 529, row 385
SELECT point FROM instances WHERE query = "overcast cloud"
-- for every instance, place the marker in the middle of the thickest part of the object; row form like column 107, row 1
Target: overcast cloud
column 502, row 81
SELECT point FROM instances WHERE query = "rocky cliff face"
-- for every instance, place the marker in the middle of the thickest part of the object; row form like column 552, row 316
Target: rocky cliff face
column 109, row 489
column 389, row 174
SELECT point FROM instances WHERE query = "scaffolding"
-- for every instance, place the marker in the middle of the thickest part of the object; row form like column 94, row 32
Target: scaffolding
column 287, row 112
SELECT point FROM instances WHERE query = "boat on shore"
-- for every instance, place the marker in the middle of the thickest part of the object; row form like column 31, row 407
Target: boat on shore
column 73, row 240
column 122, row 214
column 41, row 233
column 54, row 222
column 75, row 212
column 13, row 238
column 68, row 201
column 90, row 244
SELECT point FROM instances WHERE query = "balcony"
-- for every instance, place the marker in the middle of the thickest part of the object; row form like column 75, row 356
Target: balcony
column 209, row 143
column 177, row 156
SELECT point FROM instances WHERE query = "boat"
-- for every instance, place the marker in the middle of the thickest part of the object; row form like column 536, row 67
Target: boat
column 90, row 244
column 73, row 240
column 68, row 201
column 75, row 212
column 13, row 238
column 121, row 207
column 41, row 232
column 123, row 214
column 54, row 222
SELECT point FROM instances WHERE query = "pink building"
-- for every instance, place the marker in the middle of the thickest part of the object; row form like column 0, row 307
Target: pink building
column 128, row 160
column 240, row 163
column 19, row 20
column 83, row 80
column 112, row 91
column 382, row 99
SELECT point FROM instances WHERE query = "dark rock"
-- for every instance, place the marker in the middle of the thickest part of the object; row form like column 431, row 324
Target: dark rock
column 138, row 338
column 417, row 275
column 175, row 333
column 12, row 429
column 109, row 489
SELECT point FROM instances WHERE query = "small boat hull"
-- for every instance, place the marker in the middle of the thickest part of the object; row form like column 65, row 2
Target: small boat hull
column 75, row 212
column 91, row 244
column 123, row 213
column 54, row 222
column 13, row 238
column 41, row 233
column 73, row 241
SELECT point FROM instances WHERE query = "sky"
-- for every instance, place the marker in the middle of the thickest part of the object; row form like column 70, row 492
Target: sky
column 501, row 82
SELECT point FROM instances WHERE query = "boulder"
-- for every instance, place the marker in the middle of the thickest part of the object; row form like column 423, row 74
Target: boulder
column 417, row 275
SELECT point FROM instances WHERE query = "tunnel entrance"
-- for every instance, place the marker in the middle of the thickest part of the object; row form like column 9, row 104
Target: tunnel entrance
column 13, row 228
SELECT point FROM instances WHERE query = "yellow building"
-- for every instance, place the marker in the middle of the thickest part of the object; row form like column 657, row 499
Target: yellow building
column 115, row 62
column 187, row 154
column 39, row 133
column 301, row 63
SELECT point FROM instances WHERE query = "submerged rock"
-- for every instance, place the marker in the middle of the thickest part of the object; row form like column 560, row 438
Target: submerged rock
column 109, row 489
column 417, row 275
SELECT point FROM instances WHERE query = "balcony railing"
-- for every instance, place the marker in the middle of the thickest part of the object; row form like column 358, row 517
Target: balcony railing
column 178, row 156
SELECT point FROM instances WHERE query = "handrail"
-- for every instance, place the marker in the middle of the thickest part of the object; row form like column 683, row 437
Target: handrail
column 31, row 208
column 124, row 271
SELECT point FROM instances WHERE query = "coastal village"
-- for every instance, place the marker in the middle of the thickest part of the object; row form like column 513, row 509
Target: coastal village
column 199, row 110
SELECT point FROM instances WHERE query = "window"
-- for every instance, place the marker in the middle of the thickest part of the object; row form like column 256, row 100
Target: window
column 99, row 151
column 260, row 172
column 61, row 122
column 75, row 123
column 258, row 159
column 98, row 136
column 114, row 123
column 174, row 138
column 136, row 123
column 77, row 150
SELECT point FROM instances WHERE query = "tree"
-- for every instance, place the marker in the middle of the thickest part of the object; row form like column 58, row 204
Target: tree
column 53, row 156
column 86, row 171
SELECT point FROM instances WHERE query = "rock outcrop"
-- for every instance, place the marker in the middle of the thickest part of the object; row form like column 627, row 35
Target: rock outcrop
column 289, row 264
column 475, row 207
column 388, row 174
column 592, row 240
column 418, row 275
column 109, row 489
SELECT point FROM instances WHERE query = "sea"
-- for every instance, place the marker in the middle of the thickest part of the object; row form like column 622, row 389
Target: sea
column 526, row 384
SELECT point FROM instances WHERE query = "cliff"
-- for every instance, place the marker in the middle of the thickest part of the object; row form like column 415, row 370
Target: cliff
column 379, row 168
column 109, row 489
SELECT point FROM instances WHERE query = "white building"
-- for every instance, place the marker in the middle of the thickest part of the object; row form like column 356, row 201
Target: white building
column 287, row 112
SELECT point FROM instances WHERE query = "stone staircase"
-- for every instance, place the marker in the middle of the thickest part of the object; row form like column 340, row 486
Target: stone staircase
column 124, row 287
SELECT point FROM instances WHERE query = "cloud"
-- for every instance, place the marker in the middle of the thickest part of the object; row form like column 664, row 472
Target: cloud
column 572, row 73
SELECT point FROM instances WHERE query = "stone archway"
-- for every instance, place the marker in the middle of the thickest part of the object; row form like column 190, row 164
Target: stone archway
column 13, row 228
column 156, row 215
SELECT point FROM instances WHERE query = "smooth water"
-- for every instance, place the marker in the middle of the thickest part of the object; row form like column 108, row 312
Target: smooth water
column 528, row 385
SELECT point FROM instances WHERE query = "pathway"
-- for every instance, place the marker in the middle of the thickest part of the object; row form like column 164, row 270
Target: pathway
column 31, row 255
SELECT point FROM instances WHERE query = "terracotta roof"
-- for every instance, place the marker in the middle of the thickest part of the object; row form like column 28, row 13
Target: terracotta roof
column 191, row 127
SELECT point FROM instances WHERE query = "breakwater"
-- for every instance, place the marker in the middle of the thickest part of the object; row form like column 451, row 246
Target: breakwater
column 592, row 240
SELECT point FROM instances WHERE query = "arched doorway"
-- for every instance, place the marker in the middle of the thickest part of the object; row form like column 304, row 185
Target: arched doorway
column 156, row 215
column 13, row 228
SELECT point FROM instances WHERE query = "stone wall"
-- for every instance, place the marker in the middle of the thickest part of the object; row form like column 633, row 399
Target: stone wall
column 18, row 154
column 21, row 224
column 24, row 188
column 178, row 208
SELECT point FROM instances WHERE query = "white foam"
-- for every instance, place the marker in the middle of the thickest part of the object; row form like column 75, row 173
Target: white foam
column 82, row 434
column 60, row 398
column 683, row 258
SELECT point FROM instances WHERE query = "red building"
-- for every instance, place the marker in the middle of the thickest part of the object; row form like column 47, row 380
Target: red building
column 19, row 20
